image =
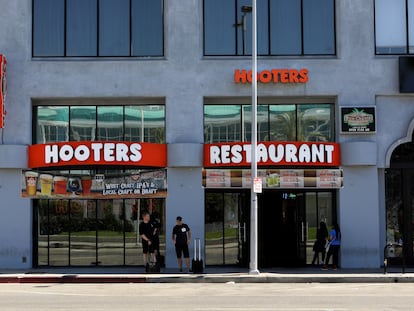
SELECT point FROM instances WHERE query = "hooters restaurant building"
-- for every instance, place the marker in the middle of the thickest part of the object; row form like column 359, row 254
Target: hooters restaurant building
column 113, row 108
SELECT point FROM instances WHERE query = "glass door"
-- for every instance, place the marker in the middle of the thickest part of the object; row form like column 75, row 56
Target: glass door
column 225, row 228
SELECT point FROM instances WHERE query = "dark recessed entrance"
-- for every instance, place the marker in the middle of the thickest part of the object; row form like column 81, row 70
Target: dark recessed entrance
column 287, row 223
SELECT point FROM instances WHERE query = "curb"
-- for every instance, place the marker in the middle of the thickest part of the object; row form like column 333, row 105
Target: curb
column 206, row 278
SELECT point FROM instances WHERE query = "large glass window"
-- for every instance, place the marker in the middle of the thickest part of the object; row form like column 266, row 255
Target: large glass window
column 394, row 26
column 93, row 232
column 141, row 123
column 81, row 28
column 284, row 27
column 275, row 122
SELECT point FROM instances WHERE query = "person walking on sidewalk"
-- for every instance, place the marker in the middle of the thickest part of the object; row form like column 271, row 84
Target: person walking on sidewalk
column 335, row 244
column 181, row 236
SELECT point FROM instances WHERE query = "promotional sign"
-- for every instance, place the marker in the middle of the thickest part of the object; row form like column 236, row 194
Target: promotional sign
column 61, row 185
column 358, row 120
column 275, row 178
column 272, row 154
column 92, row 153
column 3, row 86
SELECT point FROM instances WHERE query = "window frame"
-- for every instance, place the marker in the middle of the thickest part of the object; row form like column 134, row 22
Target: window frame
column 131, row 54
column 237, row 38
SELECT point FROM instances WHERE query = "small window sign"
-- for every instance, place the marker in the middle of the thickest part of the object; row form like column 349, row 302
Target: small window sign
column 358, row 120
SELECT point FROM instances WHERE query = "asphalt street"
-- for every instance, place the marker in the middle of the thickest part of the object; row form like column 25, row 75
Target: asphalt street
column 206, row 296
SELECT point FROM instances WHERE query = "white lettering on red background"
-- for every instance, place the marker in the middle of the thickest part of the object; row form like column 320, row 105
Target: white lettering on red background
column 108, row 152
column 274, row 153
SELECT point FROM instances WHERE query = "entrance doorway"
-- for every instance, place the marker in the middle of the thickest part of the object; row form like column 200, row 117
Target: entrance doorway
column 399, row 192
column 287, row 224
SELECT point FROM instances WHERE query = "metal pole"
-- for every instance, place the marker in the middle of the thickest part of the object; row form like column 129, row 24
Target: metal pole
column 253, row 207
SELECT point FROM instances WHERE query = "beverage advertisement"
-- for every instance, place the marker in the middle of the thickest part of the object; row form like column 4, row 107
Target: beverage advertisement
column 64, row 184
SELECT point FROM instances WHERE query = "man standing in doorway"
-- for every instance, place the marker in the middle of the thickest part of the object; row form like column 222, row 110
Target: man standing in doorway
column 181, row 236
column 146, row 231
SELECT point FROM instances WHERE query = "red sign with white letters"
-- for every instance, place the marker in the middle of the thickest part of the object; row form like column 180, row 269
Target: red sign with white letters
column 97, row 153
column 272, row 154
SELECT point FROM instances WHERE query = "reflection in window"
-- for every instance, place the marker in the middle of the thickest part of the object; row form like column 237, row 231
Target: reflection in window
column 81, row 27
column 143, row 123
column 52, row 124
column 222, row 123
column 394, row 205
column 98, row 28
column 82, row 123
column 72, row 232
column 391, row 26
column 228, row 123
column 315, row 123
column 110, row 123
column 282, row 123
column 284, row 27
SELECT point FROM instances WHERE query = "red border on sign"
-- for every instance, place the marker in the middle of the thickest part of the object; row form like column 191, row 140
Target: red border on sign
column 100, row 153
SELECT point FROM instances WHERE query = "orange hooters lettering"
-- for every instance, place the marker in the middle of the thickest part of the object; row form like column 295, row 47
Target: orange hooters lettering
column 285, row 76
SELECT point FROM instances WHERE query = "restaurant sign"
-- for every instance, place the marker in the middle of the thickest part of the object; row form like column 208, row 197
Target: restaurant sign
column 272, row 154
column 91, row 153
column 358, row 120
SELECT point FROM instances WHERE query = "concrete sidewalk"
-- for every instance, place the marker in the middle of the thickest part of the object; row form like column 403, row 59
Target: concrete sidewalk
column 210, row 275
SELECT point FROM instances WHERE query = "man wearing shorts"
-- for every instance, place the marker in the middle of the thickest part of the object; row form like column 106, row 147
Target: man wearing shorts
column 146, row 233
column 181, row 236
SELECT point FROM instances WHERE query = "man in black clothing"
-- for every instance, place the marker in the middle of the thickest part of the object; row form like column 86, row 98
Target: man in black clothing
column 146, row 232
column 181, row 236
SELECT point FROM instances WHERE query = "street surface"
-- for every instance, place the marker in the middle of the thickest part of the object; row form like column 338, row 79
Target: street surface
column 207, row 296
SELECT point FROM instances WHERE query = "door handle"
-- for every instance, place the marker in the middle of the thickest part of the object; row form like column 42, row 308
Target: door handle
column 239, row 228
column 303, row 232
column 244, row 232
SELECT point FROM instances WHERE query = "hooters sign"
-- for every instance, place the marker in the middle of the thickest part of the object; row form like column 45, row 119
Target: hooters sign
column 2, row 89
column 88, row 153
column 272, row 154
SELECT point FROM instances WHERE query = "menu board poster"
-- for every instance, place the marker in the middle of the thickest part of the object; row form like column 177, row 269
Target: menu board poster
column 358, row 120
column 274, row 178
column 329, row 178
column 291, row 179
column 83, row 184
column 218, row 179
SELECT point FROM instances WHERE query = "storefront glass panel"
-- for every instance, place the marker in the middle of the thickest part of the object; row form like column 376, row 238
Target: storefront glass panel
column 59, row 228
column 299, row 122
column 282, row 123
column 43, row 233
column 110, row 123
column 315, row 123
column 83, row 232
column 231, row 227
column 110, row 232
column 94, row 232
column 82, row 123
column 53, row 124
column 214, row 229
